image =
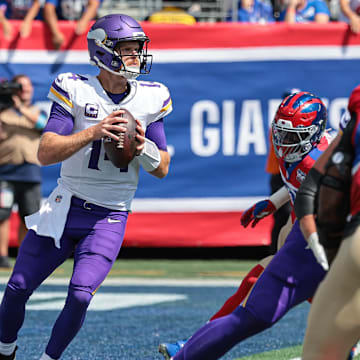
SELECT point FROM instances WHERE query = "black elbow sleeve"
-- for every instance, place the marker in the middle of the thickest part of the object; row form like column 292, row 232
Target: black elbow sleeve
column 305, row 202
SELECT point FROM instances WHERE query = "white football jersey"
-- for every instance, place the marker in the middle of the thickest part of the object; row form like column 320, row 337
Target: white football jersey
column 87, row 173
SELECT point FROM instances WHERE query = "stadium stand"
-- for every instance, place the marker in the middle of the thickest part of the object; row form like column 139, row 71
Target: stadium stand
column 301, row 51
column 204, row 10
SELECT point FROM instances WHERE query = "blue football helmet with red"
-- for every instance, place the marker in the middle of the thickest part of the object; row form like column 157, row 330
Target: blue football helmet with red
column 298, row 126
column 103, row 38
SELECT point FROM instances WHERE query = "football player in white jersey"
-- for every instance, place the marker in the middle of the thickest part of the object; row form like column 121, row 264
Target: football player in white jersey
column 87, row 212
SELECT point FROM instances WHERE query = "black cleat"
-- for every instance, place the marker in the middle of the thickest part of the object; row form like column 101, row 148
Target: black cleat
column 4, row 262
column 9, row 357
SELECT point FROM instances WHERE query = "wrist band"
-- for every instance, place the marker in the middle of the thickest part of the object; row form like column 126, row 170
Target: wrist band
column 150, row 156
column 313, row 238
column 41, row 122
column 280, row 197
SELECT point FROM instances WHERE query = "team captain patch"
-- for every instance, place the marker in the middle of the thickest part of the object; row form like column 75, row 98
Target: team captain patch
column 92, row 110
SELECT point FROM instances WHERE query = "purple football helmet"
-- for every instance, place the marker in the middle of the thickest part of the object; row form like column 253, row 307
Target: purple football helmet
column 103, row 37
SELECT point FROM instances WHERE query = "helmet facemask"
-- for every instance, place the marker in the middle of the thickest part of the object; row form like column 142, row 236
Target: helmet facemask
column 104, row 53
column 298, row 126
column 132, row 71
column 291, row 144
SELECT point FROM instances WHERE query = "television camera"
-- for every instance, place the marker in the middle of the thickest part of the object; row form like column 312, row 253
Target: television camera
column 7, row 90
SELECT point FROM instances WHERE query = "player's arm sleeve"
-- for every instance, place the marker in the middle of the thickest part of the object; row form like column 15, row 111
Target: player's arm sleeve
column 156, row 133
column 60, row 92
column 306, row 195
column 60, row 121
column 165, row 102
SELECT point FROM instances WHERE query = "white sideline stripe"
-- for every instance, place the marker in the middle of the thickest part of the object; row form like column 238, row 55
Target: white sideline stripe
column 266, row 53
column 195, row 204
column 150, row 282
column 54, row 300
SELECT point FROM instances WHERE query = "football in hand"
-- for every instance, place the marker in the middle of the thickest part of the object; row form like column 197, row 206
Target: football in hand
column 121, row 152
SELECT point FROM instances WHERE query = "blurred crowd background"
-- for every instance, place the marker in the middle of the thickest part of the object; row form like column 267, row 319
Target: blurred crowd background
column 219, row 10
column 178, row 11
column 207, row 10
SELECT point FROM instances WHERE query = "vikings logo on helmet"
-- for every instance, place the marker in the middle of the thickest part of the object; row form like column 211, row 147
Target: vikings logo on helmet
column 103, row 38
column 298, row 126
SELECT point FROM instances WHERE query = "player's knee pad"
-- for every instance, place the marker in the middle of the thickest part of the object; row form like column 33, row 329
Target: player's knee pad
column 16, row 293
column 247, row 322
column 79, row 298
column 272, row 298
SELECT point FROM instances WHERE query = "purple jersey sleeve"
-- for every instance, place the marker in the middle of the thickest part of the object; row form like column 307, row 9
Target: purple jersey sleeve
column 156, row 133
column 60, row 121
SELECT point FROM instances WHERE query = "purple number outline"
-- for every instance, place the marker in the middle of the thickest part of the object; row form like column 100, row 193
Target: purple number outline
column 95, row 156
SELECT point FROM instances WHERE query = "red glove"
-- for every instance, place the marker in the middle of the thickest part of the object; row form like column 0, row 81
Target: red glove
column 257, row 212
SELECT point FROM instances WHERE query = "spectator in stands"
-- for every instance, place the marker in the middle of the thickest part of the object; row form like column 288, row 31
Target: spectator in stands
column 254, row 11
column 26, row 10
column 173, row 15
column 55, row 10
column 350, row 13
column 20, row 176
column 306, row 11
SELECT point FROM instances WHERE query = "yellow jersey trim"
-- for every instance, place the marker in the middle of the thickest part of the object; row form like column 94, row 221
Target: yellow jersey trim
column 61, row 97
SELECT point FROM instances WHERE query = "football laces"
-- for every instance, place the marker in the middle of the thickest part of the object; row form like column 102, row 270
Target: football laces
column 120, row 144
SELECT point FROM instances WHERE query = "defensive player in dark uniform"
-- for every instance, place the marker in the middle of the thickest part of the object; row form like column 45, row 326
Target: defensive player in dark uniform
column 334, row 320
column 293, row 274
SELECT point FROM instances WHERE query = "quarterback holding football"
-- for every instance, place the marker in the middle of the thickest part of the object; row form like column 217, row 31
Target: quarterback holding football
column 86, row 213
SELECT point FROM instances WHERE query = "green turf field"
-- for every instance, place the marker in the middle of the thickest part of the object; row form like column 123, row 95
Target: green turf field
column 216, row 269
column 185, row 269
column 283, row 354
column 292, row 353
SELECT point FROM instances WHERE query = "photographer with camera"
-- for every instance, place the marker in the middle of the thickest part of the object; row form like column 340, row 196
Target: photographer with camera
column 20, row 173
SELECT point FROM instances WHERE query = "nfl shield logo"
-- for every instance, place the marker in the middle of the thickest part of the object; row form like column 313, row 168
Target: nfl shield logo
column 58, row 198
column 300, row 176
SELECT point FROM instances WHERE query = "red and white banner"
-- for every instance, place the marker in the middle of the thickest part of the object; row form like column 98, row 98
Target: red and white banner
column 226, row 81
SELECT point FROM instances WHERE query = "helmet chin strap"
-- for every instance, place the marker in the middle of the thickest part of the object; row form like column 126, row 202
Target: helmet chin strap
column 130, row 75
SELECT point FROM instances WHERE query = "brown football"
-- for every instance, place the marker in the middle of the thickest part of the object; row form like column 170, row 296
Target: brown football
column 121, row 152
